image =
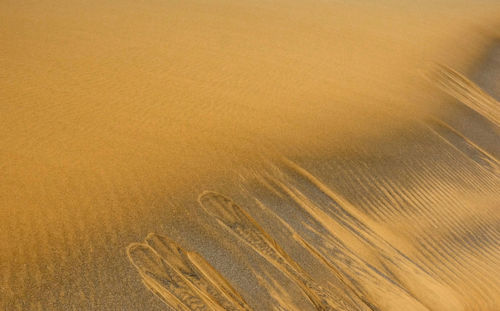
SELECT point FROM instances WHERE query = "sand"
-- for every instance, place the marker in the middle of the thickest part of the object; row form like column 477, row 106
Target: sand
column 256, row 155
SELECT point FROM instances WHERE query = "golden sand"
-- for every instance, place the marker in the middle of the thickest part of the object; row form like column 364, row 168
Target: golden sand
column 353, row 149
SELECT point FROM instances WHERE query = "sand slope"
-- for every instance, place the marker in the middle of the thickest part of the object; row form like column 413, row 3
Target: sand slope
column 363, row 184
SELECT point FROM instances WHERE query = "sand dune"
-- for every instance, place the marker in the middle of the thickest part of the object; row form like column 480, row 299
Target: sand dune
column 444, row 211
column 339, row 167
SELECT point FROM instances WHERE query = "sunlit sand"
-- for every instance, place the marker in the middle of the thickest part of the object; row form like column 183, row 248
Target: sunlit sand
column 249, row 155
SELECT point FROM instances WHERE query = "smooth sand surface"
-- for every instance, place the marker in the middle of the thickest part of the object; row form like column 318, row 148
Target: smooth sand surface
column 249, row 155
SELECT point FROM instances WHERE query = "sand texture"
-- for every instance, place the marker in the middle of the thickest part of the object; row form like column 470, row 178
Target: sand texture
column 250, row 155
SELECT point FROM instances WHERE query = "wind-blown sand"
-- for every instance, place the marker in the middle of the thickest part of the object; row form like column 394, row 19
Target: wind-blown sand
column 255, row 155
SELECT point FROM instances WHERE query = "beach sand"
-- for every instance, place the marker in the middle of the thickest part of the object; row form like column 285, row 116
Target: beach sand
column 255, row 155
